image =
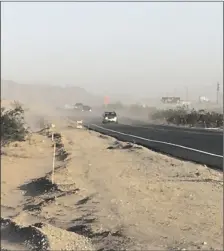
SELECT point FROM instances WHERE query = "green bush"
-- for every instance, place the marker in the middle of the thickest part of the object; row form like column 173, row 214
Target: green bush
column 13, row 127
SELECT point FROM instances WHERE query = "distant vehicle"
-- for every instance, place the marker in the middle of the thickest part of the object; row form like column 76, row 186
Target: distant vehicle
column 86, row 108
column 203, row 99
column 110, row 117
column 78, row 106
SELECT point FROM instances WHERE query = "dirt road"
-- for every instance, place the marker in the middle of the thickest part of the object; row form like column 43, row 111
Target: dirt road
column 107, row 195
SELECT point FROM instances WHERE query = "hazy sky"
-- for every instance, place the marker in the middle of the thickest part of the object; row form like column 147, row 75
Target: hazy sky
column 143, row 49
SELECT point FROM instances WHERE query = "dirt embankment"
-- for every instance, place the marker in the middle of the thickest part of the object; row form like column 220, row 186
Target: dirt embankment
column 106, row 195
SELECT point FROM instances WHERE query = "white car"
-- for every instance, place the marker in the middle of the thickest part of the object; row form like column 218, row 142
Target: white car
column 110, row 117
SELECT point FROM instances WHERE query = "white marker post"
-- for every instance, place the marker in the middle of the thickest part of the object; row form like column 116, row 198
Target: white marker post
column 79, row 124
column 54, row 153
column 53, row 164
column 52, row 135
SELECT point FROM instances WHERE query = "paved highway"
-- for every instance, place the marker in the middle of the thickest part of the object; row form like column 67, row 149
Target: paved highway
column 198, row 145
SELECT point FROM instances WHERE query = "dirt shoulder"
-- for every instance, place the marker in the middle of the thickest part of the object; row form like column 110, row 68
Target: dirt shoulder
column 110, row 195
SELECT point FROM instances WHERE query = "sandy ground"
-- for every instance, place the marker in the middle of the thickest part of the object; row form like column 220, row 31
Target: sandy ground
column 107, row 195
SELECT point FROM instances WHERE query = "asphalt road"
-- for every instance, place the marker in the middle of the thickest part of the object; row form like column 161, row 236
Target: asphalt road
column 201, row 146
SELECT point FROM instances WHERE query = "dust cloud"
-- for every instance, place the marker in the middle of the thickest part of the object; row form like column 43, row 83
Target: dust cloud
column 44, row 103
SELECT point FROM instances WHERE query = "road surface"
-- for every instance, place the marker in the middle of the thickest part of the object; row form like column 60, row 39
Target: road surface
column 201, row 146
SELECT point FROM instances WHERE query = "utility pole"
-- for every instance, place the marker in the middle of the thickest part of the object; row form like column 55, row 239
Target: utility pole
column 186, row 89
column 217, row 93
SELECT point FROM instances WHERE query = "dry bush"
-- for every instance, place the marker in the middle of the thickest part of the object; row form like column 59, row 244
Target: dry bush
column 192, row 118
column 13, row 127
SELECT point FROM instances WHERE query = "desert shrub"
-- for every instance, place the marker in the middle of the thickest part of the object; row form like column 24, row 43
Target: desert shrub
column 16, row 104
column 181, row 116
column 13, row 127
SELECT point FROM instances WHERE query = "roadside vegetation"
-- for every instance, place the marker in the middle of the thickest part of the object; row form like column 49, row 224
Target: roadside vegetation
column 13, row 127
column 180, row 116
column 191, row 118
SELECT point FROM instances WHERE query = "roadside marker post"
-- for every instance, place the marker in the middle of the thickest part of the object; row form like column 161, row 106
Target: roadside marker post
column 53, row 164
column 79, row 124
column 54, row 153
column 52, row 135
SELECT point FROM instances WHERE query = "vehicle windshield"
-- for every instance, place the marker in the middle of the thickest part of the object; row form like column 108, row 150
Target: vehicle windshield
column 110, row 114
